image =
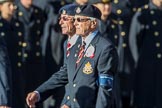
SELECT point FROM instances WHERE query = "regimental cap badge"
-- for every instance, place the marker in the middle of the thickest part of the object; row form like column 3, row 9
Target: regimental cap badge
column 63, row 11
column 78, row 10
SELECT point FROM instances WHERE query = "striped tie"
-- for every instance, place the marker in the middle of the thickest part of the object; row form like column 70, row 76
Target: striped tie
column 81, row 53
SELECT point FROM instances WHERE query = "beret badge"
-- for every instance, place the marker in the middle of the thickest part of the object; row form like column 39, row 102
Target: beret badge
column 63, row 11
column 78, row 10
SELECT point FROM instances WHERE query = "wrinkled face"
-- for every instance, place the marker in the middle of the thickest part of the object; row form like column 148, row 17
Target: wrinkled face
column 27, row 3
column 104, row 8
column 67, row 24
column 83, row 25
column 7, row 10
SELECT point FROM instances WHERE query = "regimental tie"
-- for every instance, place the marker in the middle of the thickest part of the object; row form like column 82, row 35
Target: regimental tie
column 81, row 53
column 68, row 49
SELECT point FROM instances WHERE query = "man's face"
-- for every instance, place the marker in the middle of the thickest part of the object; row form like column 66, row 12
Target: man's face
column 67, row 24
column 7, row 9
column 83, row 25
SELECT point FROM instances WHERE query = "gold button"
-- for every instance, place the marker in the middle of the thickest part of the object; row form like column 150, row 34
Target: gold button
column 17, row 24
column 2, row 34
column 19, row 64
column 121, row 22
column 154, row 22
column 152, row 12
column 74, row 100
column 24, row 44
column 19, row 53
column 146, row 6
column 124, row 45
column 19, row 34
column 25, row 55
column 37, row 54
column 119, row 11
column 20, row 43
column 116, row 1
column 1, row 24
column 134, row 9
column 139, row 9
column 38, row 21
column 36, row 11
column 157, row 44
column 115, row 36
column 123, row 33
column 112, row 26
column 159, row 55
column 68, row 97
column 38, row 32
column 74, row 85
column 156, row 33
column 62, row 3
column 37, row 43
column 20, row 14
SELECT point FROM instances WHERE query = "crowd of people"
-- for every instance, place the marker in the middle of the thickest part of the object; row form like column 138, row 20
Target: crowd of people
column 80, row 53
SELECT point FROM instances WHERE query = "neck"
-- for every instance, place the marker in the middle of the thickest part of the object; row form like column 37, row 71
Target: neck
column 157, row 3
column 7, row 18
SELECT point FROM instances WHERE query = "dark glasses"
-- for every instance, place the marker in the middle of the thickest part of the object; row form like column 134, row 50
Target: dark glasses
column 66, row 18
column 81, row 19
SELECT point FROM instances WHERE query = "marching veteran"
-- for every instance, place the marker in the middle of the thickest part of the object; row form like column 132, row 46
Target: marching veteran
column 88, row 72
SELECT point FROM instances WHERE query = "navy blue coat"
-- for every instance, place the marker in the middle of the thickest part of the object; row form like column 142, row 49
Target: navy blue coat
column 145, row 44
column 84, row 89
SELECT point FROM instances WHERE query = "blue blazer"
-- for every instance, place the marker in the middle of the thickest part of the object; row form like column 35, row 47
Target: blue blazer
column 89, row 85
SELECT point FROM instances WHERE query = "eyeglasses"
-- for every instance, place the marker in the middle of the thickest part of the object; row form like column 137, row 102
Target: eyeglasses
column 66, row 18
column 81, row 19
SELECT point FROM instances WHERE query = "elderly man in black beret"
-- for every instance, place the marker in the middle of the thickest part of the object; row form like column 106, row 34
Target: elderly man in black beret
column 96, row 69
column 89, row 69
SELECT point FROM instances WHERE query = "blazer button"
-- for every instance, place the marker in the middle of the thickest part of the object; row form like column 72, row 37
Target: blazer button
column 74, row 85
column 68, row 97
column 74, row 100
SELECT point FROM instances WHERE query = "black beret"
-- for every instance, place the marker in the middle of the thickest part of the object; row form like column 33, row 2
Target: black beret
column 99, row 1
column 88, row 10
column 68, row 9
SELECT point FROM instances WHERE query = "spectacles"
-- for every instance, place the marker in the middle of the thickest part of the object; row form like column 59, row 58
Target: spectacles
column 81, row 19
column 66, row 18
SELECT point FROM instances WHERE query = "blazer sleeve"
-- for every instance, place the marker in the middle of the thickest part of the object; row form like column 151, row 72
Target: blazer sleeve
column 5, row 75
column 107, row 66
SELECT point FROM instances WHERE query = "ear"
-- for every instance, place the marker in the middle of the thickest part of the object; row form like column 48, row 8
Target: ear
column 93, row 24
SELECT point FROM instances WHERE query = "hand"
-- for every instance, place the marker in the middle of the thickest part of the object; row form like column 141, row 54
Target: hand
column 31, row 99
column 65, row 106
column 4, row 107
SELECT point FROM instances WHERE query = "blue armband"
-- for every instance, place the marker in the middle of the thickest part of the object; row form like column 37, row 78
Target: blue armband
column 106, row 81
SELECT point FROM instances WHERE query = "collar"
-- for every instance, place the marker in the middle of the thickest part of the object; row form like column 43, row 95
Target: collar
column 72, row 40
column 89, row 38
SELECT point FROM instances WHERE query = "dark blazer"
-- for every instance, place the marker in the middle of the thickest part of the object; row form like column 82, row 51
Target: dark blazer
column 86, row 86
column 5, row 71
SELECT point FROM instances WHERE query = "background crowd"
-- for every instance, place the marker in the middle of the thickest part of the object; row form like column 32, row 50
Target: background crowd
column 32, row 40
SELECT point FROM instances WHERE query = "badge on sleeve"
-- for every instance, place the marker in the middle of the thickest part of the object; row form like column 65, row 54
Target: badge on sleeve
column 88, row 68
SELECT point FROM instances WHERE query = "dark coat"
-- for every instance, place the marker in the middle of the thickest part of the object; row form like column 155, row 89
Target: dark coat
column 5, row 68
column 145, row 44
column 83, row 89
